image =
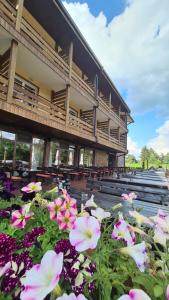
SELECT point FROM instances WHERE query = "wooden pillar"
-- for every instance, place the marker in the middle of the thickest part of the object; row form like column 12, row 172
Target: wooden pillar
column 109, row 128
column 12, row 69
column 96, row 85
column 119, row 109
column 46, row 153
column 77, row 156
column 67, row 103
column 70, row 59
column 94, row 158
column 95, row 121
column 119, row 134
column 110, row 100
column 19, row 14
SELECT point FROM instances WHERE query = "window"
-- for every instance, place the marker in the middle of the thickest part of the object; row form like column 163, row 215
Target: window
column 86, row 157
column 26, row 84
column 7, row 145
column 37, row 153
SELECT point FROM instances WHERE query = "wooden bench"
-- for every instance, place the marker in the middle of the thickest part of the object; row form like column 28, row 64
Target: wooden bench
column 147, row 194
column 107, row 201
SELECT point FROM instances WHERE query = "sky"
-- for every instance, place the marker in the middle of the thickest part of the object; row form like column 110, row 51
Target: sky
column 131, row 40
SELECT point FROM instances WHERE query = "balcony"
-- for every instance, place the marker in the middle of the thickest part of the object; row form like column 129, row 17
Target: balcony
column 8, row 11
column 38, row 109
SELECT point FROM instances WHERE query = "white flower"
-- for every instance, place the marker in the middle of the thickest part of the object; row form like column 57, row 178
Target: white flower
column 100, row 214
column 43, row 278
column 85, row 234
column 90, row 202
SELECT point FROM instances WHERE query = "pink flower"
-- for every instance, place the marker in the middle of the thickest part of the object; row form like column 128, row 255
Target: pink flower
column 85, row 234
column 21, row 216
column 135, row 294
column 43, row 278
column 66, row 220
column 129, row 197
column 70, row 204
column 72, row 297
column 32, row 187
column 55, row 207
column 122, row 231
column 139, row 254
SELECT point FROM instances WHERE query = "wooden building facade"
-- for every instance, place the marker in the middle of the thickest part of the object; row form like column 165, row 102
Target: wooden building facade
column 57, row 104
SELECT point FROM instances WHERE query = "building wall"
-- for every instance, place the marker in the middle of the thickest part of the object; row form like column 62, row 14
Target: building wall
column 101, row 159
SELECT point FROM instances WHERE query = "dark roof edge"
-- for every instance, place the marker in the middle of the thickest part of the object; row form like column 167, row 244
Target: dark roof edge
column 79, row 35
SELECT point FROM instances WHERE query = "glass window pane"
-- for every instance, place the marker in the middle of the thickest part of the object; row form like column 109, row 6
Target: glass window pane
column 6, row 152
column 7, row 135
column 37, row 153
column 23, row 155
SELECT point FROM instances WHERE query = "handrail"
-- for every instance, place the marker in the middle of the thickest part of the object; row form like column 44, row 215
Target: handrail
column 8, row 10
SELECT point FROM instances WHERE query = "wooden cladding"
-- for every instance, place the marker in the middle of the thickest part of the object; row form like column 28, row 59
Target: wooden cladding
column 4, row 63
column 87, row 116
column 59, row 98
column 8, row 11
column 103, row 126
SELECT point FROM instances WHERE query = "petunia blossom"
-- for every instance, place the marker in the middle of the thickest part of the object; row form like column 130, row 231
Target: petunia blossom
column 70, row 204
column 140, row 219
column 72, row 297
column 85, row 234
column 43, row 278
column 32, row 187
column 54, row 207
column 100, row 214
column 66, row 220
column 90, row 202
column 129, row 197
column 21, row 216
column 122, row 231
column 135, row 294
column 160, row 236
column 161, row 220
column 139, row 254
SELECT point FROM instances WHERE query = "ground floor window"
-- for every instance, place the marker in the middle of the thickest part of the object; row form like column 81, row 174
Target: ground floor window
column 61, row 154
column 86, row 157
column 7, row 146
column 37, row 153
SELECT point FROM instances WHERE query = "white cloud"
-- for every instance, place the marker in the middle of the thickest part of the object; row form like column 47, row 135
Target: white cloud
column 133, row 148
column 161, row 142
column 133, row 48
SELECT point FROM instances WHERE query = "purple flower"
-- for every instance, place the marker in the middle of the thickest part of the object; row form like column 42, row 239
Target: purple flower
column 30, row 238
column 7, row 247
column 8, row 185
column 20, row 264
column 75, row 265
column 5, row 213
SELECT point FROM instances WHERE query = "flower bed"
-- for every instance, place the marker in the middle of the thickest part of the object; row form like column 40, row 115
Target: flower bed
column 50, row 250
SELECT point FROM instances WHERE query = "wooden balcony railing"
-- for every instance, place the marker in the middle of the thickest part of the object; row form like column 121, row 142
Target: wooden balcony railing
column 8, row 11
column 43, row 46
column 114, row 115
column 3, row 88
column 82, row 127
column 38, row 105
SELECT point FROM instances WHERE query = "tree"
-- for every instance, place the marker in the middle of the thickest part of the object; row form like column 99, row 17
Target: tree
column 145, row 155
column 130, row 159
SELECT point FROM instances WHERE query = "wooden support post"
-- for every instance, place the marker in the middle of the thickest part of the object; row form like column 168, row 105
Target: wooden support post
column 12, row 69
column 19, row 14
column 70, row 59
column 77, row 156
column 95, row 121
column 119, row 134
column 109, row 128
column 119, row 109
column 96, row 84
column 110, row 100
column 67, row 103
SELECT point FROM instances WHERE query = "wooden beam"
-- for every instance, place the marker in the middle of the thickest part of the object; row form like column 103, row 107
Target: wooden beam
column 70, row 59
column 67, row 103
column 46, row 153
column 19, row 14
column 12, row 69
column 110, row 100
column 96, row 85
column 95, row 121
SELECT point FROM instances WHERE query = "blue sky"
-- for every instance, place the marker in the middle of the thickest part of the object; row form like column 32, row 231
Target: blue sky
column 131, row 41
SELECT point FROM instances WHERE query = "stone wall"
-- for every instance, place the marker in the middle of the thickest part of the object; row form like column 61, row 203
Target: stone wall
column 101, row 159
